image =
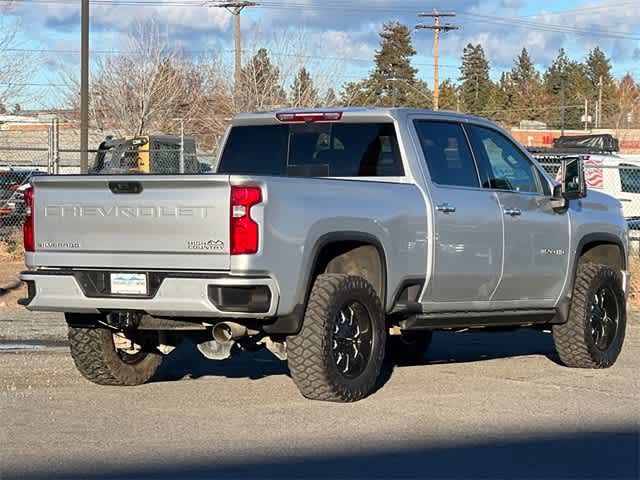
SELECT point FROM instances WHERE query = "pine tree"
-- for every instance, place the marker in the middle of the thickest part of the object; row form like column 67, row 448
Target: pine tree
column 499, row 107
column 557, row 73
column 559, row 90
column 528, row 102
column 303, row 93
column 449, row 95
column 597, row 68
column 393, row 77
column 524, row 75
column 260, row 84
column 579, row 89
column 475, row 84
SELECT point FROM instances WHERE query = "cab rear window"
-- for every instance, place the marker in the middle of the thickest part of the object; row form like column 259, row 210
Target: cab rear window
column 313, row 150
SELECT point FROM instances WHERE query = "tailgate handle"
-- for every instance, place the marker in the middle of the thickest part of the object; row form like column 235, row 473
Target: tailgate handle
column 125, row 187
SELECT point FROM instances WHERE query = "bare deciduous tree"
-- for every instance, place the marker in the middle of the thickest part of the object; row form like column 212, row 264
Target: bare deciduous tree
column 16, row 68
column 143, row 89
column 628, row 102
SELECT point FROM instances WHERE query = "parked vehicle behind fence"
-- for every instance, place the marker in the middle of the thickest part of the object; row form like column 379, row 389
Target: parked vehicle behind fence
column 332, row 238
column 164, row 154
column 13, row 182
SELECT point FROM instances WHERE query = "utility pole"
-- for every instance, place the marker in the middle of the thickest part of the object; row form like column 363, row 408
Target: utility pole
column 235, row 9
column 84, row 87
column 437, row 27
column 599, row 113
column 394, row 91
column 586, row 114
column 182, row 145
column 562, row 107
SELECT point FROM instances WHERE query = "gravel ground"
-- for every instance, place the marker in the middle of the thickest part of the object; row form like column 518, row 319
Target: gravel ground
column 20, row 325
column 488, row 405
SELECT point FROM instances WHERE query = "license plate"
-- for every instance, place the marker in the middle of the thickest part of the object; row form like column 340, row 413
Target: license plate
column 129, row 283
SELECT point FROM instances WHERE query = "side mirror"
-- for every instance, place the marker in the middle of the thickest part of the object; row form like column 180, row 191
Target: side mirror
column 572, row 183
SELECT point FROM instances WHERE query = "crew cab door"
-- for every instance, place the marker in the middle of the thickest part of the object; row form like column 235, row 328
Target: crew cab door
column 467, row 243
column 536, row 237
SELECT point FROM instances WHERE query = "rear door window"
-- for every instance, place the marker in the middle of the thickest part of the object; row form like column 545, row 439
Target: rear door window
column 313, row 150
column 447, row 153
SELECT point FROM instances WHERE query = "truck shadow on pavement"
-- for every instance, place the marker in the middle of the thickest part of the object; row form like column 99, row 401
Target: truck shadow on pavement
column 447, row 347
column 610, row 453
column 452, row 347
column 186, row 361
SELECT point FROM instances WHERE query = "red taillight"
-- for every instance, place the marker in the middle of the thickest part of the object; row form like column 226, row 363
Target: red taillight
column 28, row 229
column 309, row 117
column 244, row 231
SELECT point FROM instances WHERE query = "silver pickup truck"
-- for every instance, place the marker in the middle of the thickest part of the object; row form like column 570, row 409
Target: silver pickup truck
column 330, row 237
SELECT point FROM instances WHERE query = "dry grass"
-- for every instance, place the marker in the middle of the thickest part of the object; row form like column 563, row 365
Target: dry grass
column 634, row 288
column 11, row 248
column 11, row 264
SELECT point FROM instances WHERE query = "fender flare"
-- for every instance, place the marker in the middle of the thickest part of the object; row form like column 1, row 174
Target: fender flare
column 292, row 323
column 601, row 237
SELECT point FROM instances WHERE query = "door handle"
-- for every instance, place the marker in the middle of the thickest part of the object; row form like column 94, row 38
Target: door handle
column 445, row 207
column 514, row 212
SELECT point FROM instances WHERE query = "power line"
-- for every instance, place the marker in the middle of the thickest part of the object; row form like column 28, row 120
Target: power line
column 196, row 52
column 515, row 22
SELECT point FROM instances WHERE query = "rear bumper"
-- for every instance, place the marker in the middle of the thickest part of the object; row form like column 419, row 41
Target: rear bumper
column 175, row 297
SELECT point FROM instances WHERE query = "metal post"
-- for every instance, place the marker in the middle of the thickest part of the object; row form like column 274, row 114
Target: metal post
column 394, row 91
column 182, row 145
column 586, row 114
column 50, row 148
column 56, row 146
column 436, row 68
column 238, row 52
column 599, row 114
column 84, row 89
column 562, row 106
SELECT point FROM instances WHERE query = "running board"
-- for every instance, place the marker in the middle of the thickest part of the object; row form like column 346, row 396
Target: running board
column 498, row 318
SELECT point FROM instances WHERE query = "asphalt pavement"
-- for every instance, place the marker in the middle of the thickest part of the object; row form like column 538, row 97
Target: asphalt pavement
column 479, row 405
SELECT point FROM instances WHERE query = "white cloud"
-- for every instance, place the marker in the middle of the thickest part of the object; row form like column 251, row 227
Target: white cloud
column 353, row 31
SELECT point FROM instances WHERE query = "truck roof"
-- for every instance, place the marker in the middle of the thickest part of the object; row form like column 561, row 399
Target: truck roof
column 361, row 113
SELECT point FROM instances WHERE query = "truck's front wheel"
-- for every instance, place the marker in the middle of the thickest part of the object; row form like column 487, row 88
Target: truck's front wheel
column 338, row 354
column 593, row 335
column 105, row 359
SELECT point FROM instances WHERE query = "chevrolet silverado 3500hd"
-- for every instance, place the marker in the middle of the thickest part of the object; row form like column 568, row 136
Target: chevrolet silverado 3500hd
column 329, row 236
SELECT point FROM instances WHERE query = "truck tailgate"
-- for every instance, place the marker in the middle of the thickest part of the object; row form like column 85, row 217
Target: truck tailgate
column 168, row 222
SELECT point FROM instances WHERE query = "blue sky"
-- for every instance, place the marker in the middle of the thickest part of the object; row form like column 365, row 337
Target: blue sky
column 343, row 30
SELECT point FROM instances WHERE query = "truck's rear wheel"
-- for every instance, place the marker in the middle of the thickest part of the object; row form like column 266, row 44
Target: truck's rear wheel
column 593, row 335
column 104, row 358
column 338, row 354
